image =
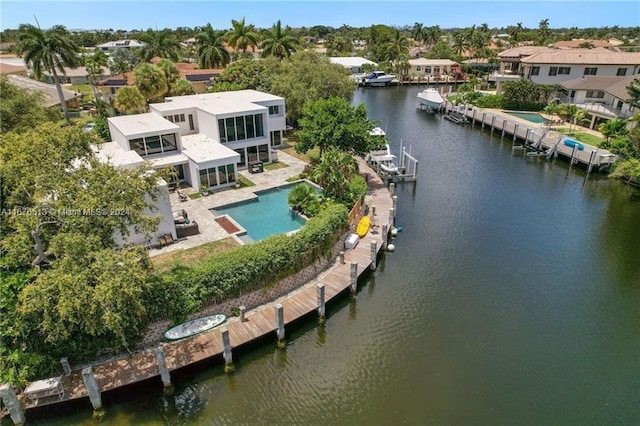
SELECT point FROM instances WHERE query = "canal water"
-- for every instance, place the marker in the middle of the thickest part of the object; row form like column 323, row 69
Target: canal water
column 513, row 297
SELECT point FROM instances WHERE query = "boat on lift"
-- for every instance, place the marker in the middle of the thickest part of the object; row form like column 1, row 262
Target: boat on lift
column 377, row 78
column 382, row 159
column 430, row 99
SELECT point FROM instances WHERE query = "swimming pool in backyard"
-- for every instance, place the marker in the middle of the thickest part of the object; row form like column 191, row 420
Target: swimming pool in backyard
column 529, row 116
column 268, row 214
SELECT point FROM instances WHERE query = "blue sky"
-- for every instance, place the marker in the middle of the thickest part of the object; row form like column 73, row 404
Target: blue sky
column 128, row 15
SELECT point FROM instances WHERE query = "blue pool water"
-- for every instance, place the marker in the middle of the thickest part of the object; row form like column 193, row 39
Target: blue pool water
column 267, row 215
column 529, row 116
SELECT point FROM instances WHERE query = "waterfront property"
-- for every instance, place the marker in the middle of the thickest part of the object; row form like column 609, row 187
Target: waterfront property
column 352, row 63
column 93, row 381
column 533, row 117
column 424, row 69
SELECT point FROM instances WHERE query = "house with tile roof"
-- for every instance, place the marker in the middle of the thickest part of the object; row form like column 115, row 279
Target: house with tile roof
column 77, row 75
column 544, row 65
column 603, row 98
column 206, row 138
column 431, row 68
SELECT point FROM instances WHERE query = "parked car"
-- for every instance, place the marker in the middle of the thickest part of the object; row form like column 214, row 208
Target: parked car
column 89, row 127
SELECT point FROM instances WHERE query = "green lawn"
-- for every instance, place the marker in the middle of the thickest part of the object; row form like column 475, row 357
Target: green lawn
column 275, row 165
column 244, row 182
column 164, row 262
column 587, row 138
column 82, row 88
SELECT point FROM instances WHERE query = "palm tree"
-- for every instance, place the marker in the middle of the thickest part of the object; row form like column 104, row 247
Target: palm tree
column 129, row 100
column 278, row 42
column 614, row 127
column 433, row 35
column 397, row 49
column 460, row 43
column 48, row 50
column 151, row 81
column 242, row 36
column 333, row 173
column 122, row 61
column 340, row 44
column 418, row 32
column 211, row 51
column 514, row 33
column 170, row 71
column 94, row 64
column 162, row 44
column 543, row 31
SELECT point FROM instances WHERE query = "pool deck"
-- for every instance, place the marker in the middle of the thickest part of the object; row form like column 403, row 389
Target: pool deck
column 198, row 209
column 142, row 365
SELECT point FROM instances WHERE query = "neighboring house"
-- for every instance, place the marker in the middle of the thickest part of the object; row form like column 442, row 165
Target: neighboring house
column 205, row 137
column 51, row 98
column 109, row 87
column 583, row 43
column 431, row 68
column 9, row 69
column 110, row 46
column 481, row 63
column 603, row 98
column 352, row 63
column 545, row 65
column 77, row 75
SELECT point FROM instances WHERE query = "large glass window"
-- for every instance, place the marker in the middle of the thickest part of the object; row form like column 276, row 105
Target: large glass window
column 169, row 142
column 222, row 131
column 153, row 144
column 259, row 127
column 222, row 173
column 276, row 139
column 263, row 153
column 204, row 177
column 242, row 161
column 252, row 153
column 240, row 128
column 137, row 145
column 251, row 132
column 231, row 130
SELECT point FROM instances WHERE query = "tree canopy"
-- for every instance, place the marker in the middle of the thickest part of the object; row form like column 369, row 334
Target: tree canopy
column 308, row 76
column 22, row 109
column 334, row 123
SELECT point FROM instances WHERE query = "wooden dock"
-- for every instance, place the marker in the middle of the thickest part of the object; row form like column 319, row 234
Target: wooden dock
column 258, row 323
column 539, row 141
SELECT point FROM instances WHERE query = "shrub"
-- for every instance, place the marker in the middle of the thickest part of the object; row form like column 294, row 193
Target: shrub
column 490, row 101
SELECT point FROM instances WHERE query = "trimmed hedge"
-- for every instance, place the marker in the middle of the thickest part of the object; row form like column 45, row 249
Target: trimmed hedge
column 246, row 268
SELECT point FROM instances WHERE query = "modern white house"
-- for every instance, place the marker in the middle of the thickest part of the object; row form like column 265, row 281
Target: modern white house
column 110, row 46
column 352, row 63
column 603, row 98
column 204, row 137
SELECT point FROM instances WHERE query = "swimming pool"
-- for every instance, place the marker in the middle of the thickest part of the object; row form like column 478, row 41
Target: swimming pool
column 529, row 116
column 267, row 215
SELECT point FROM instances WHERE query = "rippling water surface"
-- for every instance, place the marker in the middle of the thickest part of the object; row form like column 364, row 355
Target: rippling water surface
column 513, row 297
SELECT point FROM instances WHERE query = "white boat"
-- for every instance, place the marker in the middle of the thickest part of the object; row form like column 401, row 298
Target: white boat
column 377, row 78
column 430, row 99
column 194, row 327
column 382, row 159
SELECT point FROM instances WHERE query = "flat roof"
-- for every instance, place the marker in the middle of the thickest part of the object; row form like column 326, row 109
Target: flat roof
column 218, row 102
column 169, row 160
column 202, row 149
column 112, row 153
column 431, row 62
column 351, row 61
column 131, row 125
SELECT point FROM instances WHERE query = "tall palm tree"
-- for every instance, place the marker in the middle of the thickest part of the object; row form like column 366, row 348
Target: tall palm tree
column 397, row 49
column 460, row 42
column 210, row 48
column 242, row 36
column 514, row 33
column 418, row 32
column 48, row 50
column 129, row 100
column 162, row 44
column 122, row 61
column 278, row 42
column 543, row 31
column 94, row 64
column 433, row 35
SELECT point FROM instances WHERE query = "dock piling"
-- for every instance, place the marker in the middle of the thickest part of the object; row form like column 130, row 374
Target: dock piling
column 321, row 301
column 10, row 401
column 374, row 254
column 484, row 114
column 392, row 216
column 493, row 123
column 280, row 323
column 385, row 236
column 227, row 355
column 353, row 283
column 162, row 368
column 515, row 132
column 591, row 159
column 243, row 311
column 93, row 390
column 341, row 254
column 392, row 188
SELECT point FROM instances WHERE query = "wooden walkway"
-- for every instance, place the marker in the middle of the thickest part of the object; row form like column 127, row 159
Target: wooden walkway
column 540, row 141
column 258, row 322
